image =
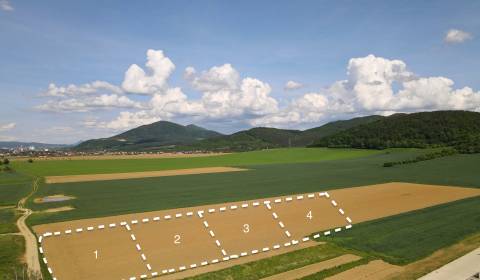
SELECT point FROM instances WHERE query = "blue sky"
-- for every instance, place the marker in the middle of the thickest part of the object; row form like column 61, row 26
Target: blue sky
column 308, row 42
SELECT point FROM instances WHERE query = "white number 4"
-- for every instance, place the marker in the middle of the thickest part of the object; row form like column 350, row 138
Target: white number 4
column 309, row 215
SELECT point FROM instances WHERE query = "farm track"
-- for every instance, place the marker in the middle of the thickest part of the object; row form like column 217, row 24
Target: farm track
column 31, row 251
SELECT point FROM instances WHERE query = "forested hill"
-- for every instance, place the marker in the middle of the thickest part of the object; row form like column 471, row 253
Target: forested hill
column 459, row 129
column 148, row 137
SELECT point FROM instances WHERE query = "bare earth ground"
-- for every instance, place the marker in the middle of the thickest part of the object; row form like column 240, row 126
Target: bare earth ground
column 31, row 252
column 182, row 239
column 374, row 270
column 58, row 209
column 313, row 268
column 135, row 175
column 139, row 156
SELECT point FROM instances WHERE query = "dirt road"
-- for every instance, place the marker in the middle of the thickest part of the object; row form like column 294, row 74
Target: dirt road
column 31, row 251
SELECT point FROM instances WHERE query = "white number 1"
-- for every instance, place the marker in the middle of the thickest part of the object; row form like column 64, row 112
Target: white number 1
column 96, row 254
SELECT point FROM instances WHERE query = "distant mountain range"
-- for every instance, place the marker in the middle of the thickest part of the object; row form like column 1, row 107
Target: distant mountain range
column 458, row 129
column 14, row 145
column 165, row 135
column 266, row 137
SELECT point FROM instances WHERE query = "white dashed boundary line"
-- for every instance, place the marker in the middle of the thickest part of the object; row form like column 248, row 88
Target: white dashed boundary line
column 201, row 214
column 137, row 246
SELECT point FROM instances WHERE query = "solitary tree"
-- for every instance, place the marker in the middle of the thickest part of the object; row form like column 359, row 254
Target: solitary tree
column 6, row 161
column 30, row 160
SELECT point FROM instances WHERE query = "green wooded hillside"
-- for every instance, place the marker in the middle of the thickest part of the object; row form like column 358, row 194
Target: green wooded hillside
column 458, row 129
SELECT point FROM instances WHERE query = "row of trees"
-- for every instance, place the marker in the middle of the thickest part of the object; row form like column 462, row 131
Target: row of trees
column 443, row 153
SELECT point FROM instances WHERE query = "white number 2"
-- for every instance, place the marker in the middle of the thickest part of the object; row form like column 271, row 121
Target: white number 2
column 176, row 239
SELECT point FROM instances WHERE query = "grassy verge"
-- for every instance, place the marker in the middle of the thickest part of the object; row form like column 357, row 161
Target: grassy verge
column 277, row 264
column 8, row 217
column 11, row 251
column 274, row 156
column 335, row 270
column 405, row 238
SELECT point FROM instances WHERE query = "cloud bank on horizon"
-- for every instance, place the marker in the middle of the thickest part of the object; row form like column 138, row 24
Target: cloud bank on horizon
column 373, row 85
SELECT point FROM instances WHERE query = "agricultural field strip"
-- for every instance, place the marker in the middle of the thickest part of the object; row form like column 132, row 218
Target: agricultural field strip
column 202, row 215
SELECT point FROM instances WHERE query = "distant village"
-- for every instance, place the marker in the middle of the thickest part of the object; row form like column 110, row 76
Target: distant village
column 34, row 152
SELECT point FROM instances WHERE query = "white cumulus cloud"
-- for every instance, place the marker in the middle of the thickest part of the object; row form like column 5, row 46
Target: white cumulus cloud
column 292, row 85
column 125, row 120
column 225, row 94
column 75, row 90
column 159, row 68
column 373, row 85
column 369, row 89
column 86, row 104
column 456, row 36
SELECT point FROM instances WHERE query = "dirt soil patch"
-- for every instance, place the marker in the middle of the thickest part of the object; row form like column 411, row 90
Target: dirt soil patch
column 53, row 198
column 214, row 236
column 374, row 270
column 314, row 268
column 137, row 175
column 58, row 209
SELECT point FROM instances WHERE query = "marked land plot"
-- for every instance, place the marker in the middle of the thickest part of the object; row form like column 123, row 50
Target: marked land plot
column 304, row 214
column 245, row 230
column 144, row 244
column 98, row 254
column 176, row 244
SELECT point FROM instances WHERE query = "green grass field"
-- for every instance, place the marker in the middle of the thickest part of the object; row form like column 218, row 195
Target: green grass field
column 13, row 186
column 106, row 198
column 411, row 236
column 8, row 217
column 12, row 248
column 272, row 173
column 273, row 156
